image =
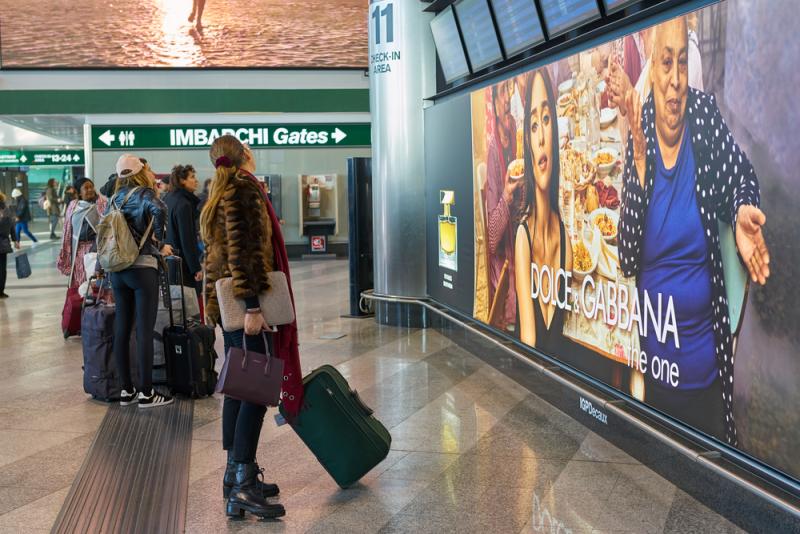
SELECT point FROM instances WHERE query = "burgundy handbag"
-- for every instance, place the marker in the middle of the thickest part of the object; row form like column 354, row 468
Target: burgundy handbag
column 250, row 376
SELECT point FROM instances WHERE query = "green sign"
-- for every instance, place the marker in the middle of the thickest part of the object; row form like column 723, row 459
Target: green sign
column 200, row 136
column 41, row 158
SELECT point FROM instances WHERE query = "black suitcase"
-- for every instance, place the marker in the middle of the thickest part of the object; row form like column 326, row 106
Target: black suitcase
column 100, row 377
column 188, row 349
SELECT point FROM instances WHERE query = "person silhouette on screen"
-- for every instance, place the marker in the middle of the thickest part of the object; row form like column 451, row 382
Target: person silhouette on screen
column 197, row 14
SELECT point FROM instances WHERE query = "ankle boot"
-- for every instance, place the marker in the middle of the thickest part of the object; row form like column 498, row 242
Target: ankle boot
column 228, row 481
column 245, row 497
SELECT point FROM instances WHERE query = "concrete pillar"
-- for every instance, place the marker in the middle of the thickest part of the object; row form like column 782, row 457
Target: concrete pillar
column 402, row 73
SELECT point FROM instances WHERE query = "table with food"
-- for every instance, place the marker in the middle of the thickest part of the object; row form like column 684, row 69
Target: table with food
column 590, row 193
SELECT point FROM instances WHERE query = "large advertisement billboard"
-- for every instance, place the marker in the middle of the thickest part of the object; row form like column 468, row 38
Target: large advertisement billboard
column 81, row 34
column 635, row 211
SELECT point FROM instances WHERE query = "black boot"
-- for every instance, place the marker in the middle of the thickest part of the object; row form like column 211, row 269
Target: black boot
column 245, row 497
column 265, row 489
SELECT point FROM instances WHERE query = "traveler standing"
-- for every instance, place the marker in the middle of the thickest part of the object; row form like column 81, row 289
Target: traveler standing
column 52, row 207
column 23, row 215
column 182, row 228
column 7, row 235
column 80, row 231
column 243, row 240
column 136, row 288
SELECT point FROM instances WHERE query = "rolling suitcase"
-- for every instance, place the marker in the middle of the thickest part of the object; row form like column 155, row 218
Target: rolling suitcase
column 100, row 377
column 71, row 314
column 339, row 428
column 188, row 350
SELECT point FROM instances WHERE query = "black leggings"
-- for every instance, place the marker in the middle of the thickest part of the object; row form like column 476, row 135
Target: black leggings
column 3, row 271
column 135, row 295
column 242, row 421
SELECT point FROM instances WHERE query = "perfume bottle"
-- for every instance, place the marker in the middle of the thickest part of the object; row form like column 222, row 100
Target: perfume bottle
column 447, row 229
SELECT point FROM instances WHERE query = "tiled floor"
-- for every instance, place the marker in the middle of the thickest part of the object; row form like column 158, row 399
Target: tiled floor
column 472, row 451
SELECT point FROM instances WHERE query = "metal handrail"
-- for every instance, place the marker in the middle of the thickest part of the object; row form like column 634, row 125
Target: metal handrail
column 699, row 456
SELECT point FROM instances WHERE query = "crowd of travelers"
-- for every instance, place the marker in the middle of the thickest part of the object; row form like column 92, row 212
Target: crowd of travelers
column 226, row 230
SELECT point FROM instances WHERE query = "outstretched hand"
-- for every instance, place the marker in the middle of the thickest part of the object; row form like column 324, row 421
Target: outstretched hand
column 751, row 244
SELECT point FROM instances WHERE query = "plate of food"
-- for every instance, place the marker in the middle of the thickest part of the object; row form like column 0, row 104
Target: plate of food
column 566, row 105
column 516, row 169
column 606, row 221
column 607, row 117
column 605, row 159
column 585, row 254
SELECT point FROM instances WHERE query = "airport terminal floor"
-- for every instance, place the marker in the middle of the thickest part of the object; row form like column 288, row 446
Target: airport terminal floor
column 472, row 450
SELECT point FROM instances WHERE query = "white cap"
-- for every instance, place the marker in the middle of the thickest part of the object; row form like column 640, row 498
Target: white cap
column 128, row 165
column 16, row 193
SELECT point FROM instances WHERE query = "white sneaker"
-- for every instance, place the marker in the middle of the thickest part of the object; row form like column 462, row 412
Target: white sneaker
column 126, row 399
column 154, row 400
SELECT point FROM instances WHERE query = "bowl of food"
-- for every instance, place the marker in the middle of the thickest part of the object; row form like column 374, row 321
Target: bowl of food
column 607, row 117
column 585, row 254
column 605, row 159
column 516, row 169
column 607, row 222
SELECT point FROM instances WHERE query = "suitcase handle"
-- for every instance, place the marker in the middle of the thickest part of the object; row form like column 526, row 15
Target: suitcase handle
column 360, row 403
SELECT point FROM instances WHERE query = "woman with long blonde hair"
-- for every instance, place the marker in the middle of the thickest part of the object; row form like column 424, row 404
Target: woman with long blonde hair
column 243, row 241
column 136, row 288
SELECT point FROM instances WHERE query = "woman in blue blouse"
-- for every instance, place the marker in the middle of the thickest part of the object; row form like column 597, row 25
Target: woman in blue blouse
column 683, row 172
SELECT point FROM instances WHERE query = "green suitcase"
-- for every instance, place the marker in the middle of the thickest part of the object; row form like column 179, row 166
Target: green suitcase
column 339, row 428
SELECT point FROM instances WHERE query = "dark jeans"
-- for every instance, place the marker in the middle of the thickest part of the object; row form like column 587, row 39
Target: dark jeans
column 53, row 224
column 242, row 421
column 3, row 271
column 699, row 408
column 22, row 228
column 136, row 298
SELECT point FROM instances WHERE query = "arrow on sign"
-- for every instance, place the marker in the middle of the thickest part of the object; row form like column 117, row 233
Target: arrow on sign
column 76, row 158
column 107, row 137
column 23, row 159
column 338, row 135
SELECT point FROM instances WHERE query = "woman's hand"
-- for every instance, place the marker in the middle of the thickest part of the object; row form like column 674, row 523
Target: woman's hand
column 166, row 250
column 618, row 88
column 751, row 244
column 254, row 323
column 634, row 106
column 17, row 244
column 509, row 188
column 198, row 276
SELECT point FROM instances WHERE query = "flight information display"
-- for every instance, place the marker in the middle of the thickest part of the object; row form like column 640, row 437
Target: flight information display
column 480, row 38
column 519, row 24
column 448, row 46
column 615, row 5
column 563, row 15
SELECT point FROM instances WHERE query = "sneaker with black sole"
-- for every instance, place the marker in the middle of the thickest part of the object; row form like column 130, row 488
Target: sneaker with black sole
column 154, row 400
column 126, row 399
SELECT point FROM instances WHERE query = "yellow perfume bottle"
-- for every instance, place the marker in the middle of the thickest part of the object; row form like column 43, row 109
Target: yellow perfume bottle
column 448, row 231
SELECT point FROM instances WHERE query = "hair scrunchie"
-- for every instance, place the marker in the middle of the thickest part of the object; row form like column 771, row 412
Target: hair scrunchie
column 223, row 161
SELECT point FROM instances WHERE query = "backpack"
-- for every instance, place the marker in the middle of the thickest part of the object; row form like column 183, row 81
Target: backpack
column 43, row 203
column 116, row 248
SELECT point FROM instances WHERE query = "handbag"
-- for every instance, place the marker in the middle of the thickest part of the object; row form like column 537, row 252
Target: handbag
column 250, row 376
column 276, row 303
column 23, row 265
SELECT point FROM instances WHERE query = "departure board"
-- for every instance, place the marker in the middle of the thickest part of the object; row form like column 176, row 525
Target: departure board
column 518, row 23
column 480, row 38
column 616, row 5
column 448, row 45
column 563, row 15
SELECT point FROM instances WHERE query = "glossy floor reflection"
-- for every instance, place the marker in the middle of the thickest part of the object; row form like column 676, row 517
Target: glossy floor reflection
column 473, row 451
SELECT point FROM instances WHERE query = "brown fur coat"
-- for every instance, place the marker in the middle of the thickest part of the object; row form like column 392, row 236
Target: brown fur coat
column 240, row 245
